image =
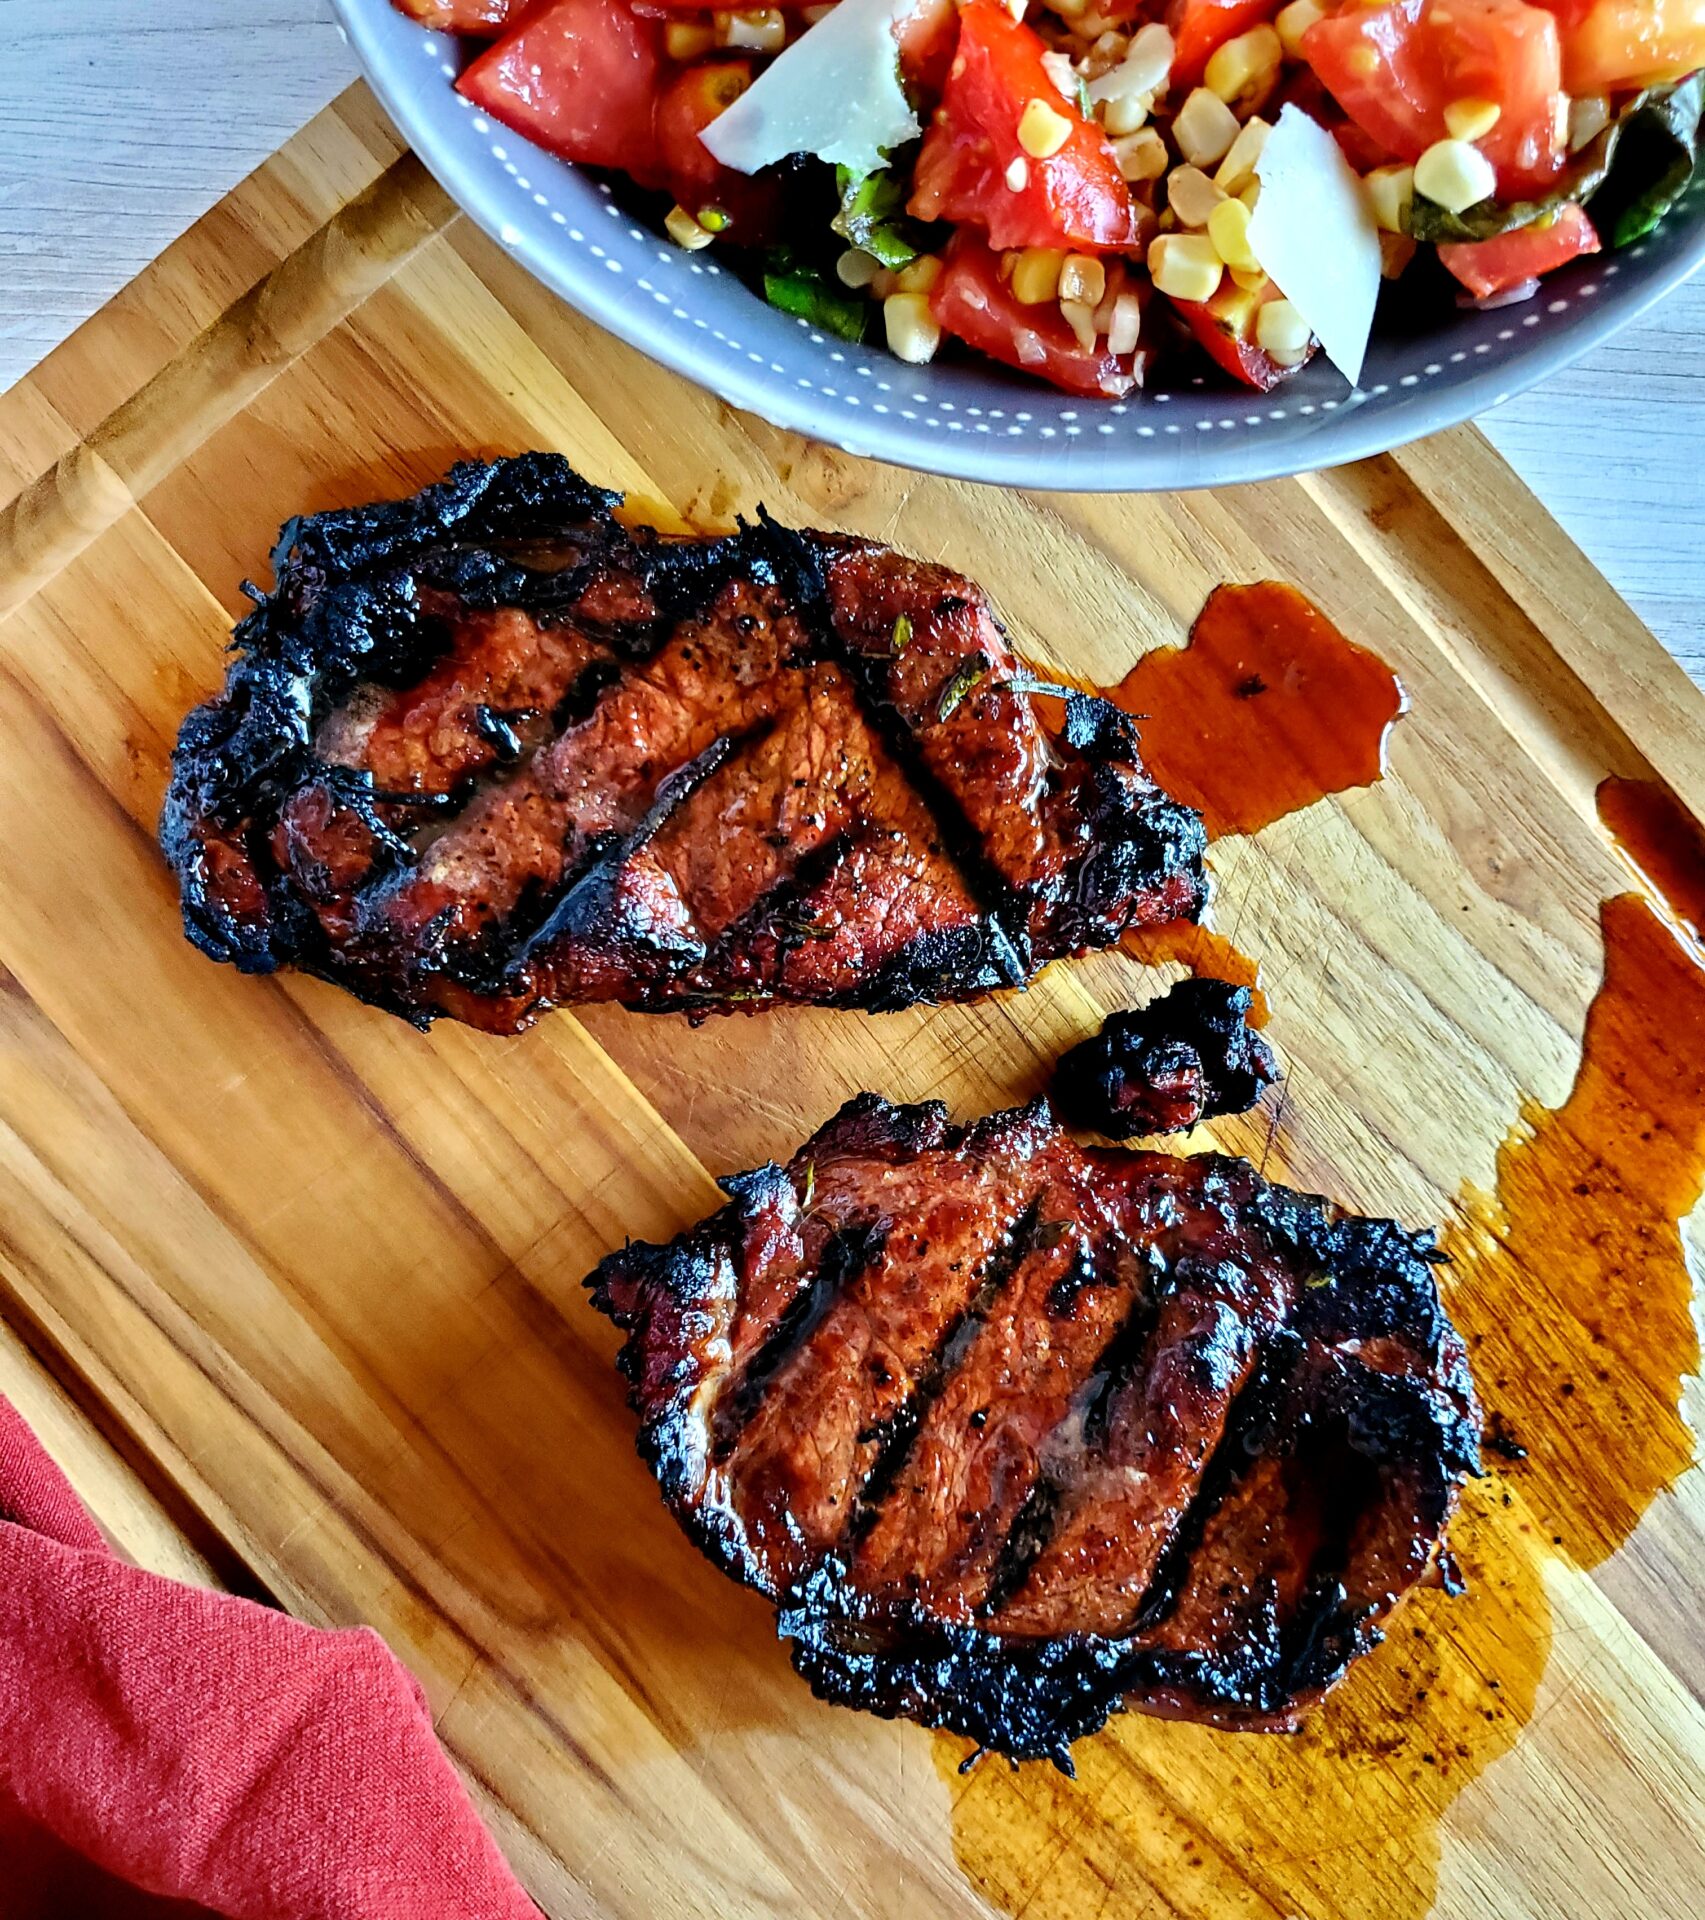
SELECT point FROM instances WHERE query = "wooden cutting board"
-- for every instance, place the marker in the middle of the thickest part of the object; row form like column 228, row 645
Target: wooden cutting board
column 316, row 1278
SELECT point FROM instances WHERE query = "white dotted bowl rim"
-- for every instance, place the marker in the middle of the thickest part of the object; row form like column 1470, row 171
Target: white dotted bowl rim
column 966, row 421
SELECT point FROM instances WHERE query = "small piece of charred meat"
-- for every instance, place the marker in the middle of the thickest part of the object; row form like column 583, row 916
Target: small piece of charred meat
column 1015, row 1432
column 1165, row 1067
column 489, row 751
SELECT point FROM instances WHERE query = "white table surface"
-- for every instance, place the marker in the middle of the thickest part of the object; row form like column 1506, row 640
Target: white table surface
column 121, row 121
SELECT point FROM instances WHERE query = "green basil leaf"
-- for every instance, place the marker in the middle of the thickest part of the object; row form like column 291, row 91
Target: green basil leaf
column 873, row 216
column 814, row 297
column 1584, row 174
column 1660, row 147
column 1632, row 173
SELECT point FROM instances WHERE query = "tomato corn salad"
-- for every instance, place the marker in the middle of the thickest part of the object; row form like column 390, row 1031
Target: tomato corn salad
column 1076, row 188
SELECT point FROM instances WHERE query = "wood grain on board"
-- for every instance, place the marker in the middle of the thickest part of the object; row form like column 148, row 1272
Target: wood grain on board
column 320, row 1274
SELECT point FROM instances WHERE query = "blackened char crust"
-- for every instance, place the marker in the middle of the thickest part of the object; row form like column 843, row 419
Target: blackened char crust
column 1015, row 1433
column 1188, row 1056
column 489, row 750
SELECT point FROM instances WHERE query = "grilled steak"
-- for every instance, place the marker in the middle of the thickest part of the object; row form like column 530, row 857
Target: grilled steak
column 1168, row 1066
column 1015, row 1432
column 488, row 750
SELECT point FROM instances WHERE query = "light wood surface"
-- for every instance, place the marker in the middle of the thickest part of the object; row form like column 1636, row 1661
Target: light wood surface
column 320, row 1274
column 120, row 123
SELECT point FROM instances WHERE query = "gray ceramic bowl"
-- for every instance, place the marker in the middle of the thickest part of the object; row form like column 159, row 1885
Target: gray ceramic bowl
column 975, row 421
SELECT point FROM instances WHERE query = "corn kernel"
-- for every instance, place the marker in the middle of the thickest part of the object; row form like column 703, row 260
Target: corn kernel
column 1041, row 131
column 1251, row 195
column 1228, row 228
column 1141, row 156
column 685, row 231
column 1124, row 328
column 1124, row 95
column 686, row 40
column 1082, row 278
column 1391, row 192
column 856, row 268
column 913, row 334
column 1282, row 333
column 1588, row 118
column 919, row 275
column 1243, row 70
column 1237, row 169
column 883, row 282
column 1250, row 280
column 763, row 30
column 1454, row 175
column 1192, row 196
column 1018, row 174
column 1081, row 320
column 1204, row 128
column 1471, row 119
column 1036, row 275
column 1185, row 266
column 1126, row 113
column 1294, row 21
column 1396, row 250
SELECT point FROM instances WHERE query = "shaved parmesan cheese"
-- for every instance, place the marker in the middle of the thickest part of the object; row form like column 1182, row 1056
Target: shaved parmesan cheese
column 834, row 93
column 1314, row 232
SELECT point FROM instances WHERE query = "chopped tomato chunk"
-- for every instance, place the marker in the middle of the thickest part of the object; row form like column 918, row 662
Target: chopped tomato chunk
column 1394, row 69
column 1487, row 267
column 1225, row 326
column 580, row 77
column 1624, row 43
column 973, row 303
column 972, row 168
column 927, row 36
column 689, row 103
column 1201, row 27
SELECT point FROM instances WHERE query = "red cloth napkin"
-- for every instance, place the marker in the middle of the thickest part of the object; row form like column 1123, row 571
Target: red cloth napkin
column 169, row 1752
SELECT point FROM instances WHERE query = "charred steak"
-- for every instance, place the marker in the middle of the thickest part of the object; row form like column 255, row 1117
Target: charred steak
column 487, row 751
column 1164, row 1068
column 1015, row 1432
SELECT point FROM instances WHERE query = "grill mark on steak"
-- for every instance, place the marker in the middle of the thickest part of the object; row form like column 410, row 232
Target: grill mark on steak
column 1013, row 956
column 1176, row 1548
column 1059, row 1457
column 583, row 908
column 848, row 1252
column 454, row 714
column 1149, row 1445
column 1091, row 1428
column 899, row 1433
column 851, row 1382
column 1004, row 1423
